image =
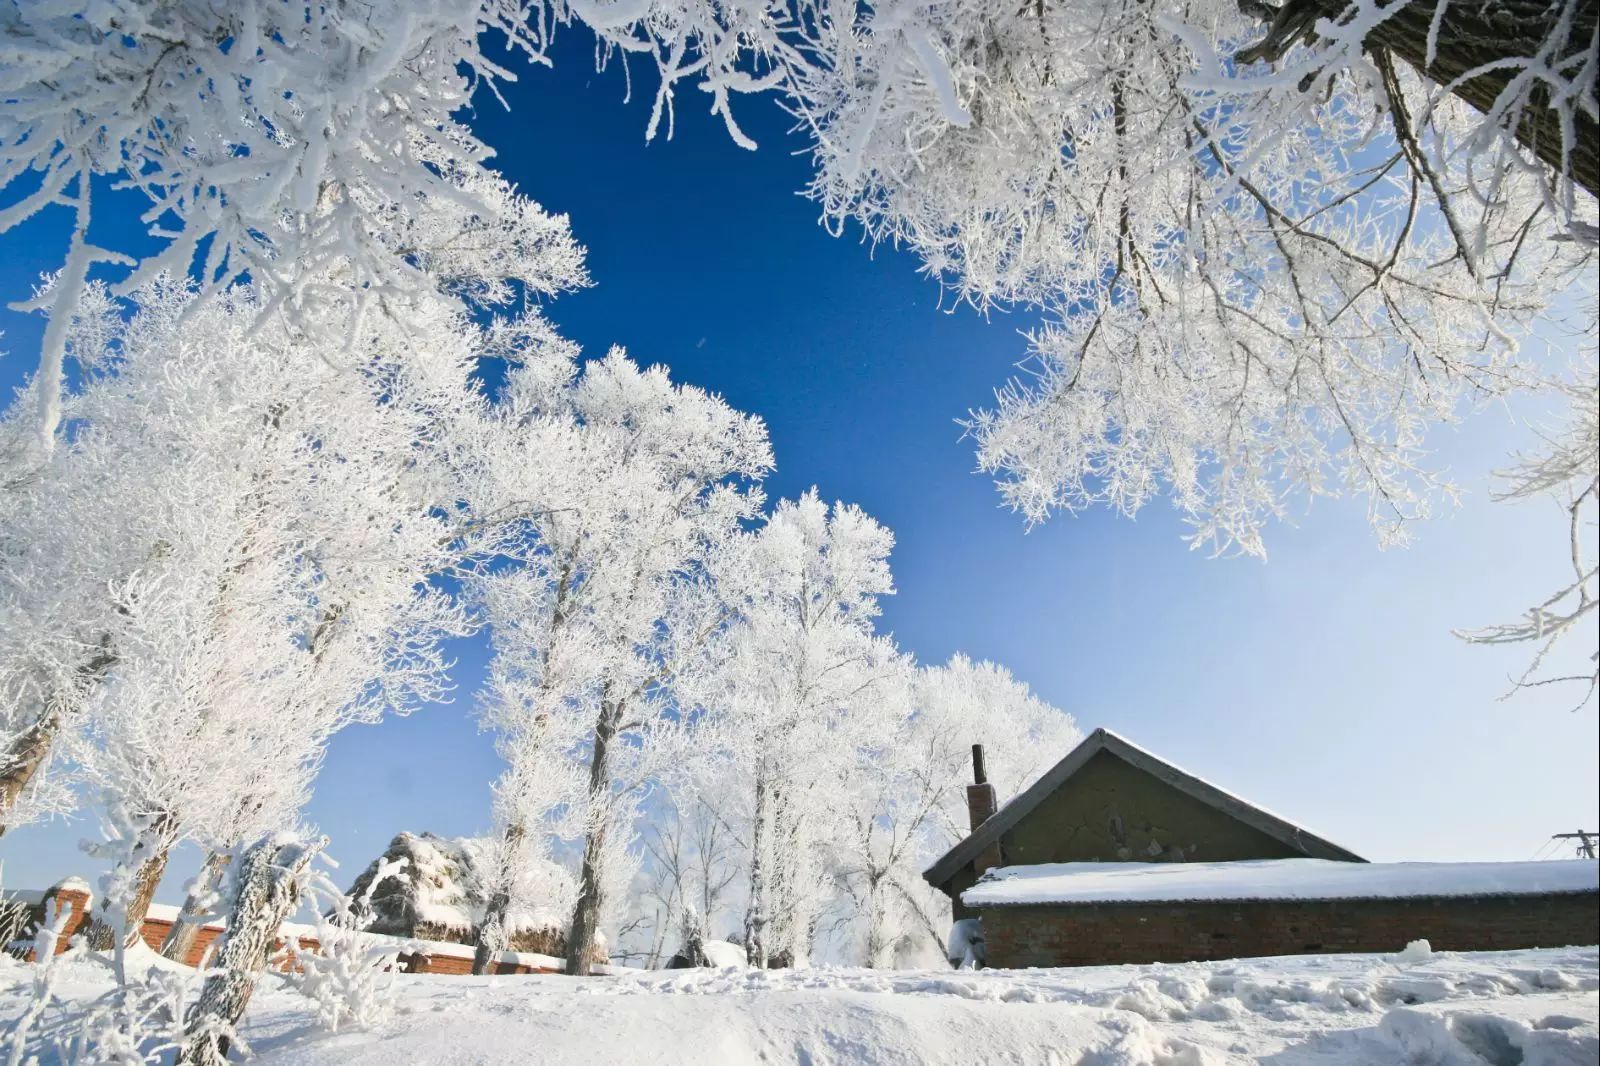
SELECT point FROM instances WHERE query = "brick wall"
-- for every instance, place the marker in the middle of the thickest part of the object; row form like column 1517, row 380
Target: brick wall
column 1096, row 934
column 152, row 932
column 429, row 958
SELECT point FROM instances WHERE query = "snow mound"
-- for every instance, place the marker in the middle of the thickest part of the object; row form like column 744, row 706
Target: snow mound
column 1524, row 1034
column 725, row 955
column 1418, row 951
column 1536, row 1008
column 965, row 947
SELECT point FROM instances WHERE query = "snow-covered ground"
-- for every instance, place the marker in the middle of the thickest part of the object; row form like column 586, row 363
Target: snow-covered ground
column 1537, row 1008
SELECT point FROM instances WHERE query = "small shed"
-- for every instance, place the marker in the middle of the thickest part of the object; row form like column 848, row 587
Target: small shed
column 1117, row 856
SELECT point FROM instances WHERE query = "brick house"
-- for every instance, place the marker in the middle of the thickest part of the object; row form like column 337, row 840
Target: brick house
column 1117, row 856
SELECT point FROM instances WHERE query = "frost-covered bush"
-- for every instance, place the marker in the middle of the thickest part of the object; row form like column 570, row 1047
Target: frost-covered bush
column 138, row 1021
column 13, row 917
column 42, row 993
column 351, row 977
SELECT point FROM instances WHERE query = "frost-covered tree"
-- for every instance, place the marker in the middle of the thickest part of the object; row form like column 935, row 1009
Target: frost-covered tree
column 600, row 600
column 1276, row 242
column 685, row 892
column 802, row 686
column 251, row 549
column 1567, row 469
column 1261, row 281
column 904, row 803
column 963, row 703
column 312, row 150
column 268, row 885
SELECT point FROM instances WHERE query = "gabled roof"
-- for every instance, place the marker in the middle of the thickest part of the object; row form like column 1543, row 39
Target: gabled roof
column 1198, row 789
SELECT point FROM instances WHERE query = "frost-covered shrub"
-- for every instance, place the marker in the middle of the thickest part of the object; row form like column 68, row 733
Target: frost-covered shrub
column 138, row 1021
column 42, row 993
column 13, row 918
column 351, row 977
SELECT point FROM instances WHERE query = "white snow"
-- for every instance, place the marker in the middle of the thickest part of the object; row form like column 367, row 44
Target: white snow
column 965, row 945
column 1538, row 1008
column 167, row 912
column 1273, row 879
column 722, row 954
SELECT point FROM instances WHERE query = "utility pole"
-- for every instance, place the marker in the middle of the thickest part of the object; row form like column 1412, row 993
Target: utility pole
column 1586, row 841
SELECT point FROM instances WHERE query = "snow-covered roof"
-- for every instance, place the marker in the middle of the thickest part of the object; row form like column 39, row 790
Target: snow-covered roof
column 167, row 912
column 1197, row 788
column 27, row 897
column 1274, row 879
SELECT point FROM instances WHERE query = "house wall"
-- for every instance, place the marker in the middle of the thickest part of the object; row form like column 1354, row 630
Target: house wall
column 1108, row 933
column 1109, row 811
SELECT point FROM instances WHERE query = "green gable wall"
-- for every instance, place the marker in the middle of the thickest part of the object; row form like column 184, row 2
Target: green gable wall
column 1110, row 811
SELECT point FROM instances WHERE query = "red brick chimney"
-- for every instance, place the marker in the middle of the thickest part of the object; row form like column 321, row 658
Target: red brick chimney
column 981, row 806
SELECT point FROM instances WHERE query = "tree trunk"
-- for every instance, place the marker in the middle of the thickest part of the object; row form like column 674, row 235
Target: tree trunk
column 491, row 937
column 694, row 939
column 878, row 940
column 755, row 915
column 1472, row 33
column 591, row 893
column 23, row 758
column 180, row 938
column 102, row 936
column 27, row 752
column 269, row 885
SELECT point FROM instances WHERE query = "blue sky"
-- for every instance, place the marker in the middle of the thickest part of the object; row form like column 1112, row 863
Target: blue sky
column 1323, row 684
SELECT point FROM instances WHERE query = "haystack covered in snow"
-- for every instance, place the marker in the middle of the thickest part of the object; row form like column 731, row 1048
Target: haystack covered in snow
column 439, row 895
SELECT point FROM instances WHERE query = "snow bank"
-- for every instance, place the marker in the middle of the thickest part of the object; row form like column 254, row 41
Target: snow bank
column 1536, row 1008
column 1273, row 879
column 1514, row 1034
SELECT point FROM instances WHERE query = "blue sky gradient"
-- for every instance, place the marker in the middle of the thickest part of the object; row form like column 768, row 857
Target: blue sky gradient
column 1323, row 684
